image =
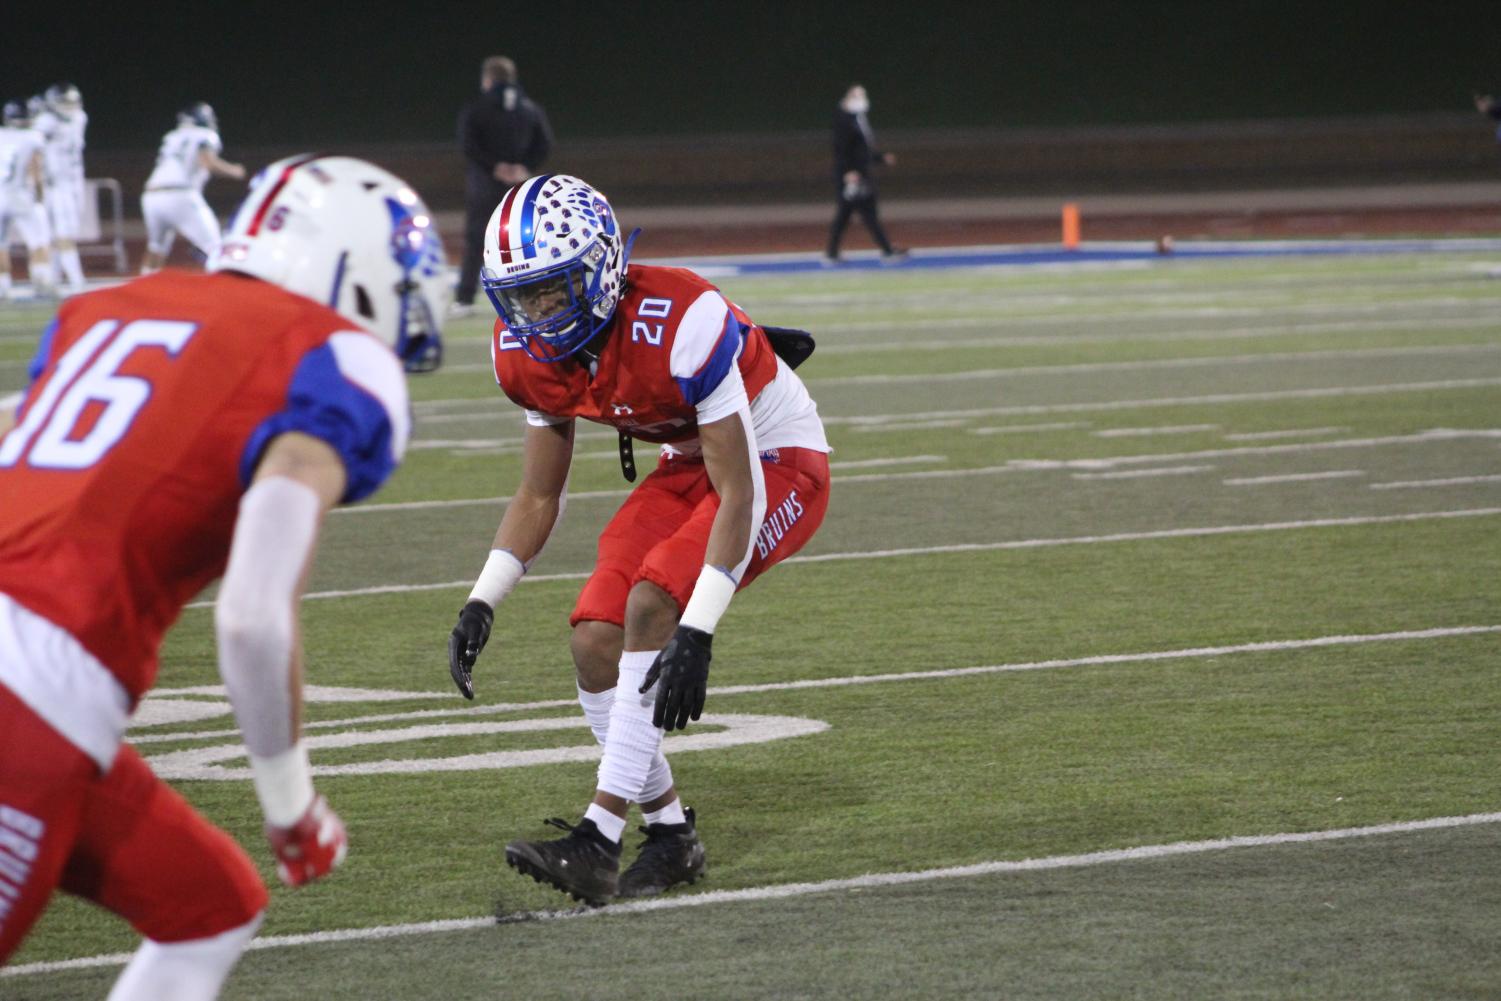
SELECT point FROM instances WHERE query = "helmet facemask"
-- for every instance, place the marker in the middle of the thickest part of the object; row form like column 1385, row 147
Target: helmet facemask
column 556, row 312
column 419, row 343
column 554, row 265
column 415, row 248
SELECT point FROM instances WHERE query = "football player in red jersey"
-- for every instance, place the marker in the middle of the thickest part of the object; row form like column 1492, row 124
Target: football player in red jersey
column 178, row 428
column 741, row 483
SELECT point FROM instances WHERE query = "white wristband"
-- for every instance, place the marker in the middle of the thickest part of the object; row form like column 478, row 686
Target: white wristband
column 502, row 571
column 711, row 596
column 283, row 784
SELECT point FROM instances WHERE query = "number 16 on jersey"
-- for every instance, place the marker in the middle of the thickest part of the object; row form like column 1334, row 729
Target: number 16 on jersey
column 89, row 372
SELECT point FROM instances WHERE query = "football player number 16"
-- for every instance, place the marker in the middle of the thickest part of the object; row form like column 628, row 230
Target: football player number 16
column 89, row 372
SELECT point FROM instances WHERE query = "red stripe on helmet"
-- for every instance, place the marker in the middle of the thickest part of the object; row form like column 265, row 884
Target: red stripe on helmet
column 265, row 206
column 503, row 233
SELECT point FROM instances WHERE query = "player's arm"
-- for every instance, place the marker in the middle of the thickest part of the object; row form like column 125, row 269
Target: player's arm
column 730, row 460
column 297, row 480
column 534, row 511
column 728, row 439
column 215, row 164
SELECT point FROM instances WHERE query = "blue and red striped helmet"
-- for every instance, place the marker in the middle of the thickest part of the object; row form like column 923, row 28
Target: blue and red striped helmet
column 554, row 264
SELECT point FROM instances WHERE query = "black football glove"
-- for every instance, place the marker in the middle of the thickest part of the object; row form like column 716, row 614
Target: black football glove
column 466, row 641
column 683, row 669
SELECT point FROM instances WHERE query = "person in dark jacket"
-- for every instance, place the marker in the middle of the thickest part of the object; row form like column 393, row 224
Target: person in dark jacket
column 505, row 137
column 1490, row 108
column 855, row 157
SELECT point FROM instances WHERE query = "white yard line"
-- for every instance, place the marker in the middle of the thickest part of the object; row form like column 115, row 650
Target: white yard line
column 912, row 426
column 1097, row 660
column 1166, row 533
column 1113, row 461
column 1333, row 474
column 1149, row 431
column 1013, row 466
column 783, row 891
column 1211, row 361
column 974, row 547
column 1006, row 308
column 1021, row 428
column 1288, row 433
column 1133, row 474
column 896, row 460
column 1155, row 363
column 1448, row 481
column 1379, row 389
column 1286, row 329
column 831, row 341
column 488, row 444
column 1376, row 389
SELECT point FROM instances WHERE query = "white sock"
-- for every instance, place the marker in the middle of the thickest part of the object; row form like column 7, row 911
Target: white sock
column 5, row 284
column 72, row 267
column 633, row 743
column 609, row 825
column 183, row 971
column 597, row 706
column 672, row 813
column 41, row 276
column 658, row 778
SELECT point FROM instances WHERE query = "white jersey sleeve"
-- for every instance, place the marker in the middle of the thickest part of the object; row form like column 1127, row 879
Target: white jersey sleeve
column 704, row 360
column 705, row 348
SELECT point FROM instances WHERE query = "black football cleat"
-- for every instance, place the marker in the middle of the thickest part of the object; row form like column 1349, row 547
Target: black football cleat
column 671, row 854
column 583, row 863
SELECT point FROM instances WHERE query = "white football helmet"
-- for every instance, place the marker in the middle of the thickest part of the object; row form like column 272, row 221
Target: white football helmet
column 555, row 264
column 199, row 113
column 350, row 235
column 64, row 99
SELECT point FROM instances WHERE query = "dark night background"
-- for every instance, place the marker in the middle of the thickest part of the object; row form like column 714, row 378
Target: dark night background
column 320, row 77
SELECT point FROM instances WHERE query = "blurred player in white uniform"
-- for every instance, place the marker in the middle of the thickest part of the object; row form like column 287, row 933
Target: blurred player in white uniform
column 173, row 200
column 63, row 124
column 21, row 171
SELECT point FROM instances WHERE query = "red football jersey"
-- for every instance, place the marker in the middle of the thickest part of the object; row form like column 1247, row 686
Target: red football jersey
column 671, row 342
column 149, row 408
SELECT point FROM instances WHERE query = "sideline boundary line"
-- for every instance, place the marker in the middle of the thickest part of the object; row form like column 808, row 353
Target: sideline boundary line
column 786, row 890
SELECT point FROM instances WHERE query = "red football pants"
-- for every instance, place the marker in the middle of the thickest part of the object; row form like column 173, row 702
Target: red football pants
column 661, row 532
column 124, row 840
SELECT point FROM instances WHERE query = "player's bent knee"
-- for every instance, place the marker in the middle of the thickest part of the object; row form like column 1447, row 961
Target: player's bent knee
column 596, row 653
column 651, row 614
